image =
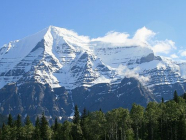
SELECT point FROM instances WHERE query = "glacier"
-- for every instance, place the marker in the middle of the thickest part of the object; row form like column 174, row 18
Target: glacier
column 62, row 58
column 55, row 69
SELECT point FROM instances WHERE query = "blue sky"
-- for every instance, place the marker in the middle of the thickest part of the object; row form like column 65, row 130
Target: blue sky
column 94, row 18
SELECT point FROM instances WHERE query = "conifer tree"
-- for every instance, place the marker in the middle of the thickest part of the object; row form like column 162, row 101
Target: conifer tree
column 6, row 133
column 28, row 129
column 2, row 130
column 83, row 124
column 37, row 133
column 100, row 109
column 182, row 128
column 57, row 130
column 76, row 128
column 184, row 96
column 77, row 132
column 44, row 128
column 67, row 131
column 162, row 100
column 37, row 122
column 76, row 118
column 3, row 126
column 84, row 114
column 18, row 125
column 176, row 98
column 18, row 121
column 10, row 120
column 157, row 122
column 56, row 125
column 27, row 120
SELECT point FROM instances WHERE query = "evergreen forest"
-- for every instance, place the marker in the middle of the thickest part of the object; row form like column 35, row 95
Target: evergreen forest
column 158, row 121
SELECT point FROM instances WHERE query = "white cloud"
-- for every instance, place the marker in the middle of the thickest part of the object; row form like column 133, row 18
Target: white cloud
column 140, row 38
column 113, row 37
column 174, row 56
column 183, row 53
column 163, row 47
column 143, row 37
column 126, row 72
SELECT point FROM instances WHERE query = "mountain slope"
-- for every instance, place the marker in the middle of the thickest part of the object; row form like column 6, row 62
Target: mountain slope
column 57, row 53
column 59, row 68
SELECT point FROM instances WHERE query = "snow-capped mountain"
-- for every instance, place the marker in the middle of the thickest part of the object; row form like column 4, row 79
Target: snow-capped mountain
column 89, row 71
column 55, row 56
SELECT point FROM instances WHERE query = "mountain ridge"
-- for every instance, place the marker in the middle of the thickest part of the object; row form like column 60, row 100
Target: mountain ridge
column 91, row 73
column 63, row 46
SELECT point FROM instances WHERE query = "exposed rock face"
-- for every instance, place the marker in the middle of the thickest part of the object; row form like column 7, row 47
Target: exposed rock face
column 148, row 58
column 55, row 68
column 34, row 98
column 107, row 97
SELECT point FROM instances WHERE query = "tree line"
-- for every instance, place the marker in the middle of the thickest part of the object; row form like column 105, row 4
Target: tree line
column 158, row 121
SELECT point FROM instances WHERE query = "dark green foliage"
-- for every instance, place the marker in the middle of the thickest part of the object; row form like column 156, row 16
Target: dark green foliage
column 37, row 133
column 184, row 96
column 137, row 116
column 162, row 100
column 76, row 132
column 10, row 120
column 27, row 120
column 37, row 122
column 66, row 131
column 84, row 114
column 158, row 121
column 118, row 124
column 181, row 128
column 3, row 119
column 152, row 114
column 3, row 126
column 18, row 121
column 76, row 118
column 56, row 130
column 44, row 127
column 18, row 127
column 56, row 125
column 6, row 133
column 176, row 97
column 76, row 127
column 84, row 127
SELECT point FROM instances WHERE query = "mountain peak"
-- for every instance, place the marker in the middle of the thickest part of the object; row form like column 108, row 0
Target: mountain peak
column 54, row 57
column 58, row 49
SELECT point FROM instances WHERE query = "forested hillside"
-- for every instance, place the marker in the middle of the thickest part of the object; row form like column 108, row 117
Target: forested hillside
column 158, row 121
